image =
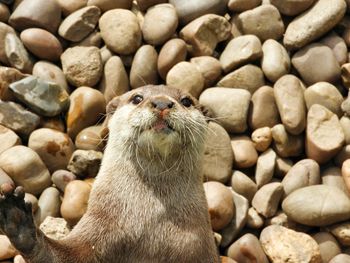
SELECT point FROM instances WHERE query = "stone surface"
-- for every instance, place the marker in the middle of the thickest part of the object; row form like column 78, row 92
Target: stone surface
column 85, row 163
column 44, row 98
column 324, row 135
column 315, row 22
column 265, row 167
column 242, row 5
column 267, row 199
column 69, row 6
column 55, row 228
column 338, row 46
column 345, row 172
column 314, row 205
column 328, row 245
column 285, row 144
column 292, row 7
column 4, row 13
column 209, row 67
column 262, row 138
column 284, row 245
column 341, row 232
column 49, row 204
column 120, row 31
column 332, row 176
column 341, row 258
column 7, row 250
column 106, row 5
column 7, row 76
column 61, row 178
column 254, row 220
column 82, row 66
column 90, row 139
column 243, row 185
column 232, row 114
column 8, row 139
column 244, row 153
column 4, row 30
column 28, row 171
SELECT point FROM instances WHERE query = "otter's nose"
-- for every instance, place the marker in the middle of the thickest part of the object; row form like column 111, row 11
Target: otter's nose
column 162, row 104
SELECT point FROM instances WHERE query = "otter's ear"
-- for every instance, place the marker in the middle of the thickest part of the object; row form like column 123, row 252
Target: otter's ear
column 110, row 109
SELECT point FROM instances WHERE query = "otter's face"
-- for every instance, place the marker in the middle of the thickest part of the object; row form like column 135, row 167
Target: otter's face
column 156, row 119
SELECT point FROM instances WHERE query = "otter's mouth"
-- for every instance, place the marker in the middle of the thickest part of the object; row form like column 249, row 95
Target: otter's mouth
column 162, row 126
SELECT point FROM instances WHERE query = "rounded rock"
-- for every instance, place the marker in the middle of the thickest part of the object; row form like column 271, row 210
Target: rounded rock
column 243, row 185
column 106, row 5
column 329, row 246
column 267, row 199
column 340, row 258
column 49, row 205
column 209, row 67
column 61, row 178
column 262, row 138
column 8, row 139
column 7, row 250
column 285, row 144
column 244, row 153
column 265, row 167
column 292, row 7
column 4, row 13
column 242, row 5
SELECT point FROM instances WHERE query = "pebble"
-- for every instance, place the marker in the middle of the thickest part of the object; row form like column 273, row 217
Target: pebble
column 341, row 258
column 304, row 173
column 209, row 67
column 42, row 97
column 82, row 66
column 7, row 76
column 185, row 76
column 55, row 228
column 275, row 61
column 332, row 176
column 28, row 171
column 218, row 154
column 120, row 31
column 29, row 198
column 328, row 245
column 338, row 46
column 85, row 163
column 292, row 7
column 345, row 172
column 265, row 167
column 4, row 178
column 49, row 205
column 4, row 30
column 254, row 220
column 282, row 167
column 242, row 5
column 262, row 138
column 345, row 124
column 54, row 147
column 106, row 5
column 248, row 77
column 285, row 245
column 244, row 153
column 243, row 185
column 204, row 33
column 4, row 13
column 285, row 144
column 239, row 51
column 42, row 44
column 75, row 199
column 315, row 22
column 263, row 21
column 159, row 24
column 18, row 119
column 61, row 178
column 220, row 204
column 231, row 114
column 69, row 6
column 8, row 139
column 267, row 199
column 172, row 52
column 145, row 4
column 314, row 205
column 86, row 109
column 324, row 135
column 144, row 67
column 289, row 96
column 35, row 13
column 92, row 39
column 342, row 155
column 7, row 250
column 342, row 233
column 90, row 139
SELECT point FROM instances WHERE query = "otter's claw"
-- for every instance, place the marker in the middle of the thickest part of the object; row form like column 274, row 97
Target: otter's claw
column 16, row 219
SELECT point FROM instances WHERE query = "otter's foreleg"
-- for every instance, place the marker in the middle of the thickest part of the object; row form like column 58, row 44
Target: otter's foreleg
column 16, row 222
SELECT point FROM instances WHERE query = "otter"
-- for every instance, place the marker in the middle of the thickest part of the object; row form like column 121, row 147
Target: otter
column 147, row 203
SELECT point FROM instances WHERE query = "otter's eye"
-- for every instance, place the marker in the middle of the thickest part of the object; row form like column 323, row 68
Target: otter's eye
column 187, row 102
column 137, row 99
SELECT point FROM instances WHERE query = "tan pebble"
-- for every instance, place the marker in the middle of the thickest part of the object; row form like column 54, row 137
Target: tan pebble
column 338, row 46
column 285, row 144
column 18, row 259
column 345, row 124
column 248, row 77
column 172, row 52
column 120, row 31
column 342, row 233
column 74, row 203
column 28, row 171
column 325, row 94
column 93, row 39
column 42, row 44
column 262, row 138
column 281, row 219
column 267, row 199
column 285, row 245
column 50, row 72
column 106, row 5
column 304, row 173
column 324, row 135
column 4, row 13
column 242, row 5
column 7, row 250
column 90, row 139
column 316, row 54
column 345, row 75
column 332, row 176
column 79, row 24
column 186, row 77
column 289, row 95
column 55, row 227
column 232, row 114
column 263, row 109
column 263, row 21
column 340, row 258
column 8, row 139
column 314, row 205
column 342, row 155
column 49, row 205
column 145, row 4
column 7, row 76
column 5, row 179
column 275, row 62
column 82, row 66
column 218, row 155
column 144, row 67
column 315, row 22
column 55, row 123
column 61, row 178
column 86, row 108
column 85, row 163
column 220, row 204
column 29, row 198
column 69, row 6
column 254, row 220
column 239, row 51
column 292, row 7
column 227, row 260
column 105, row 54
column 283, row 165
column 4, row 30
column 265, row 167
column 328, row 245
column 204, row 33
column 243, row 185
column 244, row 153
column 345, row 172
column 54, row 147
column 159, row 24
column 209, row 67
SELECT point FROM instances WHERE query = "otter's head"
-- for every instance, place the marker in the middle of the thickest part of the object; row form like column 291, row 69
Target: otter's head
column 157, row 121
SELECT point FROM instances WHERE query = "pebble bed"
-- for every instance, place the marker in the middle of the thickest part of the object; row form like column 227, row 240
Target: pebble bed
column 274, row 75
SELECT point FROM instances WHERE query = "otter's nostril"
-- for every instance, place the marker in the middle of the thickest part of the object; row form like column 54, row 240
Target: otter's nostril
column 162, row 104
column 170, row 104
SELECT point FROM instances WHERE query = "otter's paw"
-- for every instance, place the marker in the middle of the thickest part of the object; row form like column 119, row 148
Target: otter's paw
column 16, row 219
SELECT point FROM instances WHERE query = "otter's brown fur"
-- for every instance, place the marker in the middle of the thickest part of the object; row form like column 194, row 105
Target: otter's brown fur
column 147, row 203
